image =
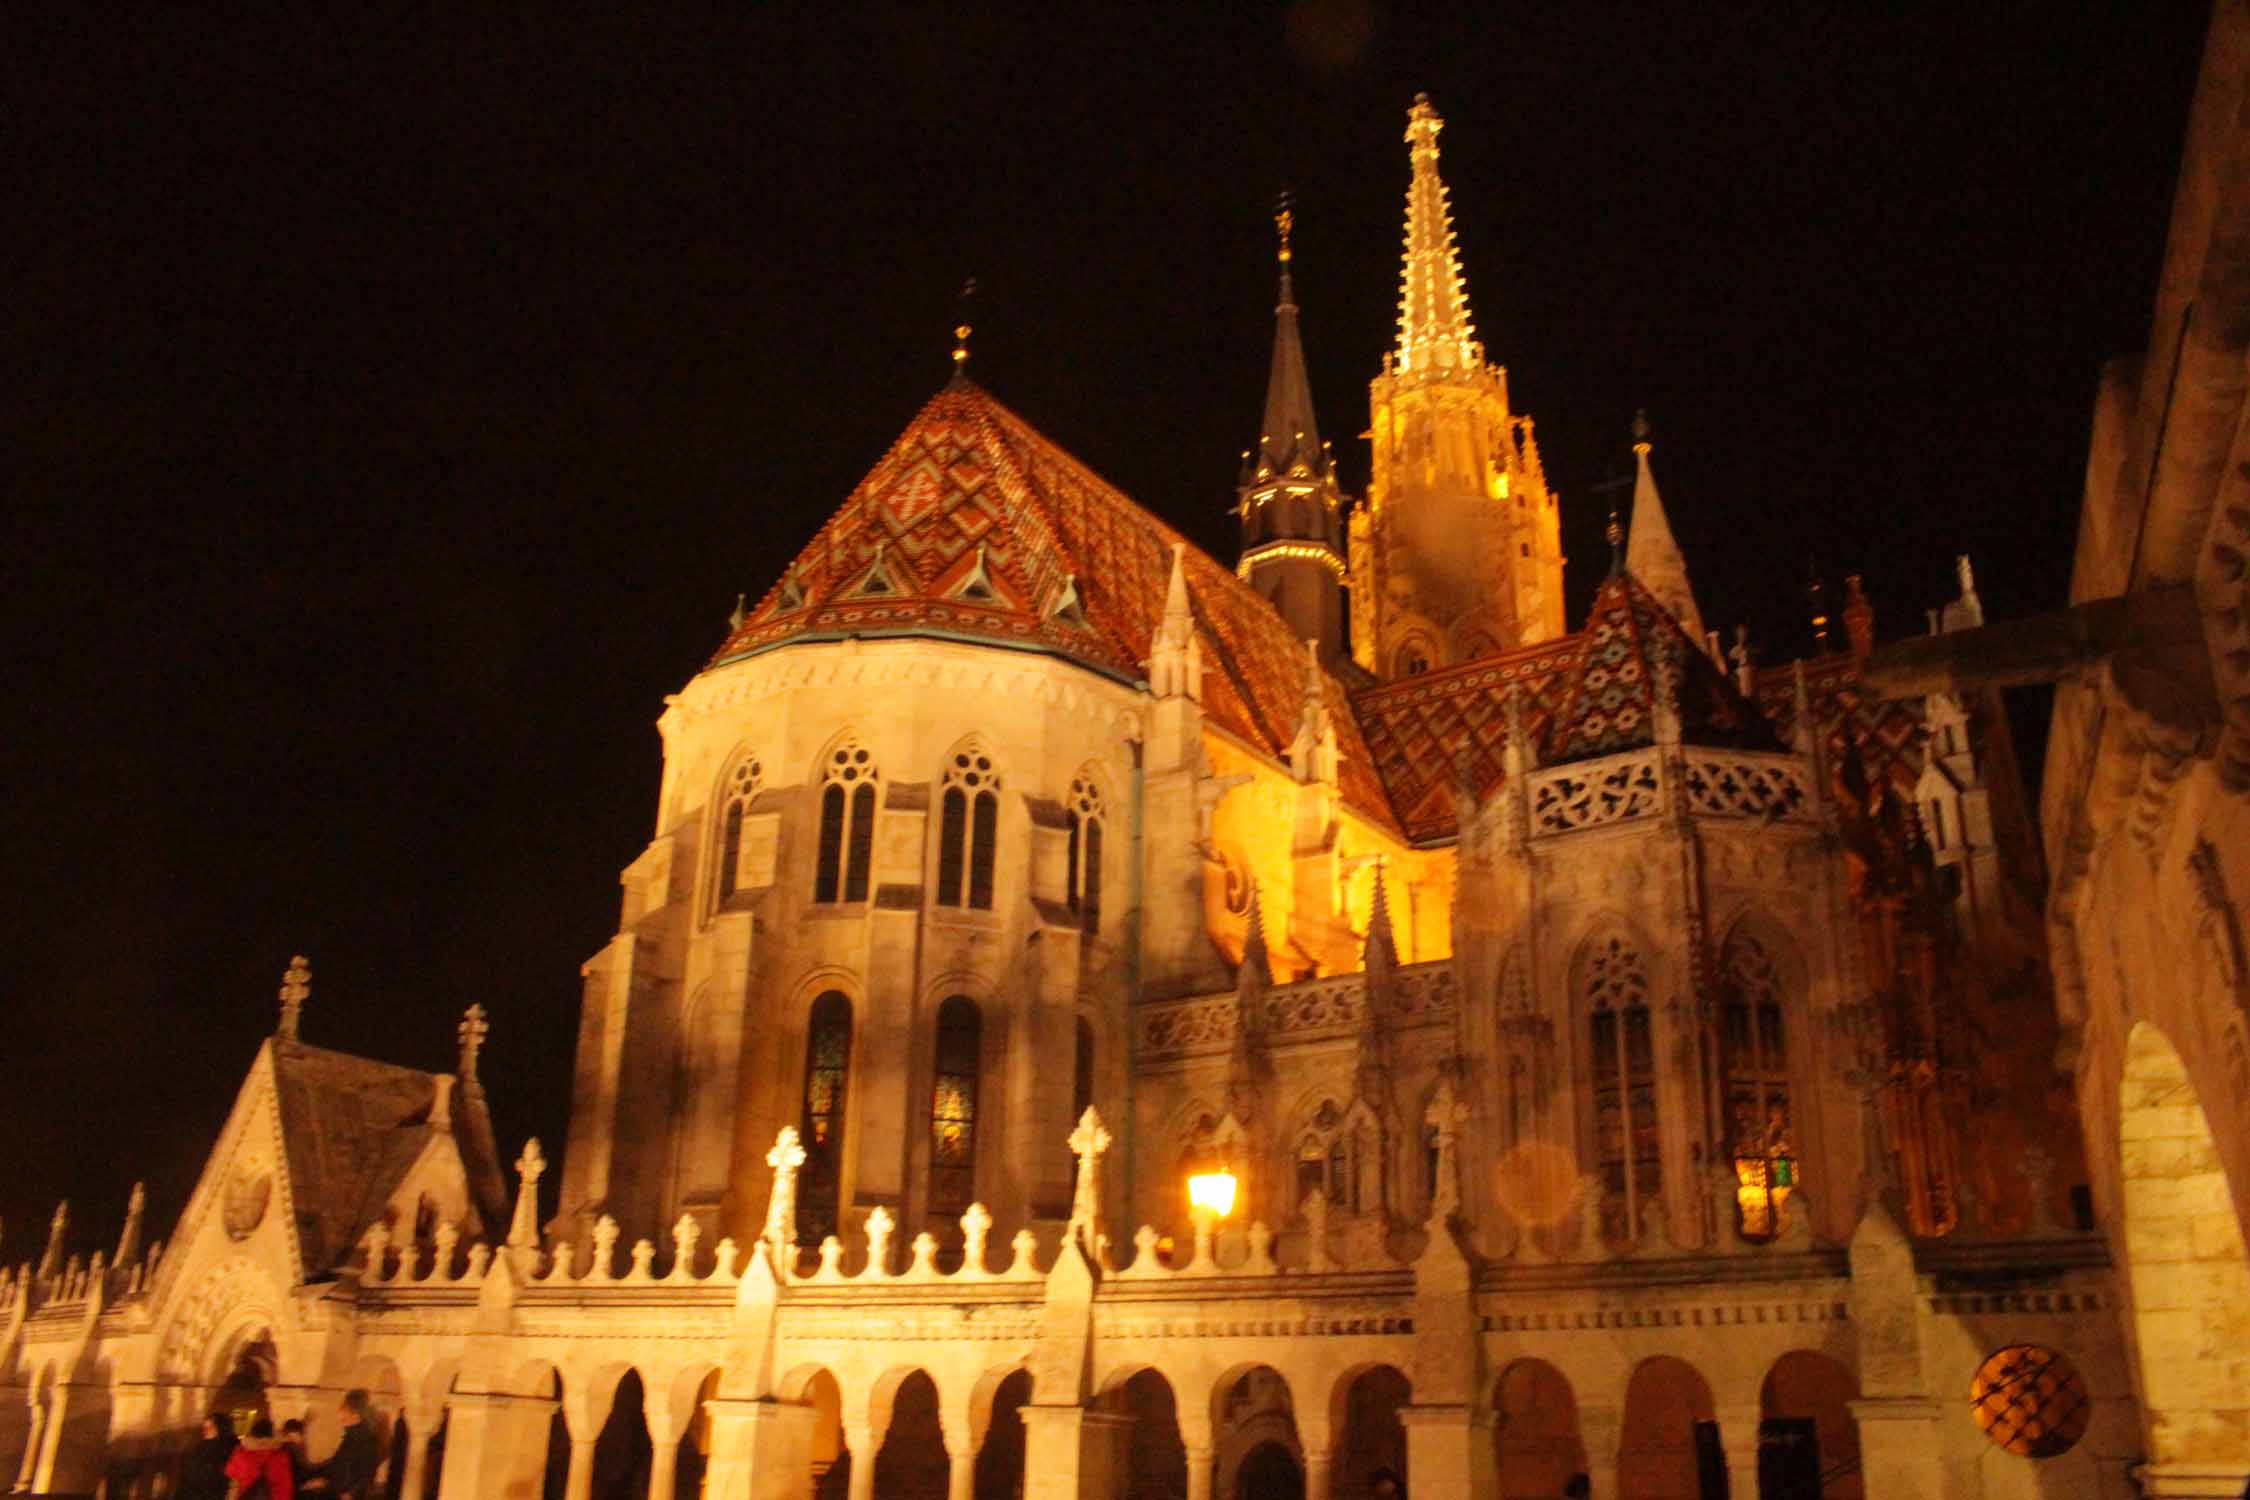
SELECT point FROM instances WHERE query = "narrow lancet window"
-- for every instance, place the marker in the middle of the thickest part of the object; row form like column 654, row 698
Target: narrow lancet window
column 968, row 826
column 828, row 1062
column 953, row 1110
column 847, row 825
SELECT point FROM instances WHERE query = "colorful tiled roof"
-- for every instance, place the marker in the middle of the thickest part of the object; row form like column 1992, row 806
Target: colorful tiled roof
column 1889, row 733
column 975, row 526
column 1611, row 702
column 1427, row 732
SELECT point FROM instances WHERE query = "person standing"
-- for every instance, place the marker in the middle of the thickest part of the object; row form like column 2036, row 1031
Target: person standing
column 259, row 1469
column 204, row 1475
column 349, row 1473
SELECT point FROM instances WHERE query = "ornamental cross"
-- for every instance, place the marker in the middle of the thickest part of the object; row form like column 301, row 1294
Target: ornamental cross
column 472, row 1031
column 524, row 1231
column 1087, row 1143
column 296, row 989
column 785, row 1158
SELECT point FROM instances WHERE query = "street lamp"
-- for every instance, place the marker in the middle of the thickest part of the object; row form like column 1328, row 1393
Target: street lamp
column 1211, row 1193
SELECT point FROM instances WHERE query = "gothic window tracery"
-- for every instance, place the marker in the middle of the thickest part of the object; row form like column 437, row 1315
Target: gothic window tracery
column 847, row 824
column 740, row 790
column 1325, row 1159
column 1755, row 1068
column 828, row 1062
column 1624, row 1077
column 1084, row 891
column 953, row 1108
column 968, row 825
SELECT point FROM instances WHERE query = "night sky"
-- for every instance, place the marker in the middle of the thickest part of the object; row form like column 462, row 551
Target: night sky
column 397, row 404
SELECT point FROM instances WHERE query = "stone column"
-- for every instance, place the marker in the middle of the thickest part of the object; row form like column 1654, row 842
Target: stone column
column 1200, row 1463
column 1600, row 1428
column 862, row 1442
column 34, row 1438
column 1738, row 1435
column 1054, row 1441
column 421, row 1426
column 1449, row 1452
column 1320, row 1475
column 1899, row 1448
column 580, row 1484
column 960, row 1458
column 760, row 1450
column 663, row 1468
column 50, row 1438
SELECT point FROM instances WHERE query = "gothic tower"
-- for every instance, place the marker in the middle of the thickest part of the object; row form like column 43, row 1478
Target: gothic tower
column 1457, row 552
column 1292, row 512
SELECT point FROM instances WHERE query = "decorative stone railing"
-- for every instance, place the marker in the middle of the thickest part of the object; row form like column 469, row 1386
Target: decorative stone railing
column 1637, row 784
column 1615, row 789
column 1747, row 784
column 1422, row 993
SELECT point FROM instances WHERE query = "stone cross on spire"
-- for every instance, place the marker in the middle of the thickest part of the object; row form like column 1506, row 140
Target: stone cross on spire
column 1651, row 553
column 472, row 1032
column 780, row 1232
column 523, row 1231
column 1087, row 1143
column 1434, row 330
column 296, row 989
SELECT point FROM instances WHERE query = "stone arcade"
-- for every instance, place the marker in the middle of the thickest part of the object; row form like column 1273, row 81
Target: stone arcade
column 1574, row 1039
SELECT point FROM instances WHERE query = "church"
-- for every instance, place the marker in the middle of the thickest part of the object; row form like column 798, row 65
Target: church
column 1093, row 1019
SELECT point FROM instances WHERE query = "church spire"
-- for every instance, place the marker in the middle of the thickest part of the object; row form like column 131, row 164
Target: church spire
column 1434, row 329
column 1651, row 555
column 1290, row 439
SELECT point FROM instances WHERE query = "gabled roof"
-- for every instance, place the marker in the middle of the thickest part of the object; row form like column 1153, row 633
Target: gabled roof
column 1612, row 699
column 1076, row 568
column 351, row 1127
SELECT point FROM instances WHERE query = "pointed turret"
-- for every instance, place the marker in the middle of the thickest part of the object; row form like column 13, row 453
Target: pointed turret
column 1651, row 554
column 1434, row 330
column 1175, row 655
column 1292, row 512
column 1457, row 553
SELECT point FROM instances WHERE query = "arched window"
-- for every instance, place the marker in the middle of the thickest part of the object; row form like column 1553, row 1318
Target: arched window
column 847, row 824
column 1085, row 875
column 953, row 1109
column 1756, row 1072
column 828, row 1066
column 1082, row 1074
column 1624, row 1075
column 968, row 823
column 740, row 790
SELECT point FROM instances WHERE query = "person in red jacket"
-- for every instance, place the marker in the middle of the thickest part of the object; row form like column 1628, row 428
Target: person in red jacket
column 260, row 1468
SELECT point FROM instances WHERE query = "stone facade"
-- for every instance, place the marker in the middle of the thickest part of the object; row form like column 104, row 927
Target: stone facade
column 1612, row 1058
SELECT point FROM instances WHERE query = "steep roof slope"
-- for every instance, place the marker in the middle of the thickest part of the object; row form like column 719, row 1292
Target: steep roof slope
column 974, row 526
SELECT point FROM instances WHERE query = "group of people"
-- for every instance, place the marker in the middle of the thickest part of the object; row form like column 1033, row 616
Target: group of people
column 270, row 1466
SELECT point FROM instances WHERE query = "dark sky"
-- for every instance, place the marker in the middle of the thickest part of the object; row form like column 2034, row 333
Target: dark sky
column 398, row 402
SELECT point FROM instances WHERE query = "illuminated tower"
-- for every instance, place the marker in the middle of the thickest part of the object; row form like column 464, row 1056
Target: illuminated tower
column 1457, row 552
column 1292, row 512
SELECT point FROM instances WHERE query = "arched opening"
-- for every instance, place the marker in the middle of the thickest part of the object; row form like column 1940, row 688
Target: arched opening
column 1250, row 1411
column 623, row 1452
column 1370, row 1439
column 1269, row 1472
column 555, row 1482
column 1535, row 1434
column 1669, row 1447
column 1808, row 1443
column 1754, row 1064
column 694, row 1459
column 1154, row 1460
column 999, row 1474
column 250, row 1369
column 2184, row 1258
column 911, row 1463
column 820, row 1128
column 953, row 1107
column 1614, row 983
column 831, row 1460
column 1083, row 877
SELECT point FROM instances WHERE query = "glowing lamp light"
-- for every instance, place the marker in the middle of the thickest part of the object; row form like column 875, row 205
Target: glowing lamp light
column 1214, row 1191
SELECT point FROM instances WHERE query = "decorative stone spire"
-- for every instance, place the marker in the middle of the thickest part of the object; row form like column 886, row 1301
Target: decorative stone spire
column 1434, row 330
column 129, row 1241
column 523, row 1231
column 1251, row 982
column 51, row 1261
column 1290, row 440
column 1381, row 950
column 472, row 1032
column 780, row 1233
column 1087, row 1143
column 1312, row 754
column 1652, row 555
column 296, row 989
column 1175, row 656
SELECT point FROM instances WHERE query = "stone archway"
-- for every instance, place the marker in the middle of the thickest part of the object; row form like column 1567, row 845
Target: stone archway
column 1806, row 1433
column 1000, row 1457
column 911, row 1461
column 1268, row 1472
column 1154, row 1460
column 1251, row 1408
column 1535, row 1433
column 1662, row 1453
column 1370, row 1439
column 2186, row 1266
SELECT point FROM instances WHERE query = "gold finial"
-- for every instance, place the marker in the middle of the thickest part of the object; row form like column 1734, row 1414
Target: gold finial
column 296, row 989
column 1640, row 430
column 962, row 328
column 1285, row 220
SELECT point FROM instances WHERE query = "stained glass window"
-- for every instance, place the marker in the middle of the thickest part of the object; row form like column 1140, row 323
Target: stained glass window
column 1627, row 1138
column 847, row 825
column 828, row 1061
column 968, row 828
column 1756, row 1084
column 953, row 1109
